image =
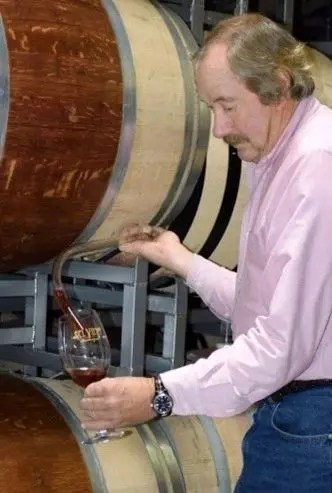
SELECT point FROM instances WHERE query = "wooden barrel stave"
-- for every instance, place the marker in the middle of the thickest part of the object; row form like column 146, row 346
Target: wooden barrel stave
column 322, row 73
column 212, row 194
column 226, row 252
column 49, row 166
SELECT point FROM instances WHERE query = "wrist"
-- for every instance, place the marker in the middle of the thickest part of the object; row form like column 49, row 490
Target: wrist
column 182, row 259
column 150, row 386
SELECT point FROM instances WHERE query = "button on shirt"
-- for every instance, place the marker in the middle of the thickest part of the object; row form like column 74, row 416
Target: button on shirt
column 280, row 300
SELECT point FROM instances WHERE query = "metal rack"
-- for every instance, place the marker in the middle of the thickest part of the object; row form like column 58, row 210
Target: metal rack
column 29, row 291
column 198, row 18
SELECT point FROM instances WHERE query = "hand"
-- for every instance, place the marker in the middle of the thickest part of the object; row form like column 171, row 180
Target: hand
column 157, row 245
column 116, row 402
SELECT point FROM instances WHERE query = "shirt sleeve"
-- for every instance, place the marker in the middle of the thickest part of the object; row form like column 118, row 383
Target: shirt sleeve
column 293, row 306
column 214, row 284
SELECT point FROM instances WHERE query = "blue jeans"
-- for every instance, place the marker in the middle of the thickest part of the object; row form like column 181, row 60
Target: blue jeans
column 288, row 449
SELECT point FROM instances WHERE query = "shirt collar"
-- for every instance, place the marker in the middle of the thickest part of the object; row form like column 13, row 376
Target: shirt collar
column 303, row 108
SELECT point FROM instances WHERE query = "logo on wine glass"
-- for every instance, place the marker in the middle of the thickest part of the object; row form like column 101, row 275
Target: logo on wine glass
column 87, row 334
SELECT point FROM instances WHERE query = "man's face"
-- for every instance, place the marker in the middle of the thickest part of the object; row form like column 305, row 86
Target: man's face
column 239, row 116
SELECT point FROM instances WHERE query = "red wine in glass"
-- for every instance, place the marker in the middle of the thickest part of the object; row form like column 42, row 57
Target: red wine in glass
column 86, row 355
column 84, row 376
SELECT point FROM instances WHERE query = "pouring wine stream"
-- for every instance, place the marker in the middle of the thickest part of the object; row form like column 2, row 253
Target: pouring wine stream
column 81, row 332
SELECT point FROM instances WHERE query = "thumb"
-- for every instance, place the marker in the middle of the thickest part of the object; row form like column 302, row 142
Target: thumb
column 98, row 389
column 132, row 247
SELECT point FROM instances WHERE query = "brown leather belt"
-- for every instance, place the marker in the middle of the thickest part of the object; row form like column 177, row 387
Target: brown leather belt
column 298, row 386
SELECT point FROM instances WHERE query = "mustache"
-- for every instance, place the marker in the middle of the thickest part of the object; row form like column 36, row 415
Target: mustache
column 234, row 139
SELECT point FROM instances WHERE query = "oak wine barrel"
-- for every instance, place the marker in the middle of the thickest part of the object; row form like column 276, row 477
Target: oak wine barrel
column 100, row 122
column 41, row 450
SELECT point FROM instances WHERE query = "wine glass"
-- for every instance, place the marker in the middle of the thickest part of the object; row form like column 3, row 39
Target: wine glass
column 86, row 355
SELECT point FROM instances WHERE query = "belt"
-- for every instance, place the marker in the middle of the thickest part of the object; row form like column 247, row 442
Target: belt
column 298, row 386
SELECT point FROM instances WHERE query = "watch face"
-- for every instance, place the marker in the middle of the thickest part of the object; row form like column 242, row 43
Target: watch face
column 163, row 404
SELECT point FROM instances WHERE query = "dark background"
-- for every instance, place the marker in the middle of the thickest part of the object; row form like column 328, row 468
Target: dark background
column 311, row 20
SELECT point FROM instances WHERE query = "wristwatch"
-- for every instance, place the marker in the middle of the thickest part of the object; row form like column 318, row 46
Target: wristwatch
column 162, row 402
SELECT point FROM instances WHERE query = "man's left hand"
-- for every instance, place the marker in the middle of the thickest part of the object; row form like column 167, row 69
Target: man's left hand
column 117, row 402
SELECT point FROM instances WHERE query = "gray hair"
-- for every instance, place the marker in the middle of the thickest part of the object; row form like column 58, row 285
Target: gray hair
column 258, row 51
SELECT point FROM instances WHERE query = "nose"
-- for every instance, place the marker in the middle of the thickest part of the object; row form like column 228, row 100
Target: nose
column 221, row 125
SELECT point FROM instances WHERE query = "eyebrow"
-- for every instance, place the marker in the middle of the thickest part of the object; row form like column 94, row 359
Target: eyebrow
column 223, row 99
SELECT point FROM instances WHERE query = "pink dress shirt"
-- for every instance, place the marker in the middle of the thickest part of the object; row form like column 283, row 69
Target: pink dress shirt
column 280, row 301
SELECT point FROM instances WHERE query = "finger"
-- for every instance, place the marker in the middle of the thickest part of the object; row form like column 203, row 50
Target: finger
column 95, row 414
column 137, row 236
column 90, row 415
column 98, row 389
column 110, row 417
column 132, row 246
column 99, row 425
column 96, row 403
column 146, row 229
column 129, row 231
column 153, row 231
column 136, row 233
column 140, row 245
column 157, row 230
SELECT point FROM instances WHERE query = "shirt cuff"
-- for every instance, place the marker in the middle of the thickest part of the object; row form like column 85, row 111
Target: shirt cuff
column 204, row 388
column 196, row 272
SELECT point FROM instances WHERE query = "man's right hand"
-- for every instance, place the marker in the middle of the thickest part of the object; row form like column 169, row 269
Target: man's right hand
column 158, row 246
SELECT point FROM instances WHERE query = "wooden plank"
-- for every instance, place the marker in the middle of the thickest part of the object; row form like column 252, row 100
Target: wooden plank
column 66, row 106
column 61, row 39
column 64, row 124
column 63, row 70
column 72, row 12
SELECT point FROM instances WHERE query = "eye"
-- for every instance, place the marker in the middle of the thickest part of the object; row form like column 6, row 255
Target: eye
column 227, row 109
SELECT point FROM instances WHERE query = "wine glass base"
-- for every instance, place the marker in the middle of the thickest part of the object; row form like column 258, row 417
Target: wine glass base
column 106, row 436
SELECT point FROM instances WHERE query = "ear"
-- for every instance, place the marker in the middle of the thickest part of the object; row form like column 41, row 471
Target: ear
column 285, row 82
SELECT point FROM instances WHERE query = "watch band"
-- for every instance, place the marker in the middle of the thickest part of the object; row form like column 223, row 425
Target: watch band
column 158, row 384
column 162, row 402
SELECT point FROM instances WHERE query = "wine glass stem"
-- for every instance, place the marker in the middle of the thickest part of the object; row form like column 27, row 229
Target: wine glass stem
column 106, row 435
column 111, row 433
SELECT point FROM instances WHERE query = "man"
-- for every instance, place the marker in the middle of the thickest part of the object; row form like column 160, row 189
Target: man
column 257, row 81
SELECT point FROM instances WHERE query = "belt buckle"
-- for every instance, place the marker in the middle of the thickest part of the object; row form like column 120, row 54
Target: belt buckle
column 275, row 397
column 269, row 399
